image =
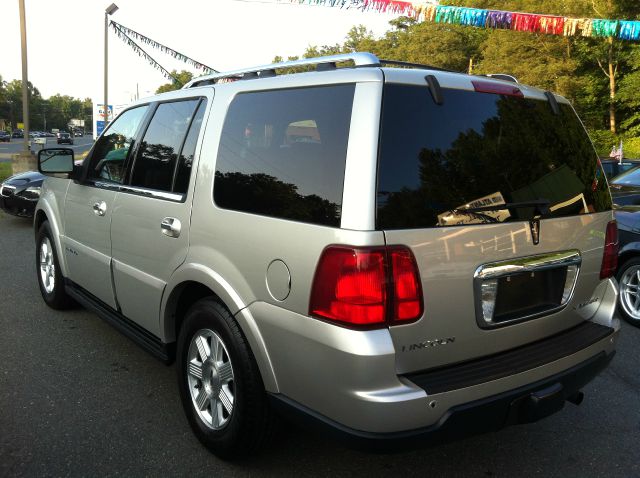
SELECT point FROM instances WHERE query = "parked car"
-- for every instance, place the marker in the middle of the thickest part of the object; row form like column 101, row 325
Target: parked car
column 615, row 167
column 65, row 138
column 5, row 137
column 20, row 193
column 362, row 248
column 625, row 188
column 17, row 134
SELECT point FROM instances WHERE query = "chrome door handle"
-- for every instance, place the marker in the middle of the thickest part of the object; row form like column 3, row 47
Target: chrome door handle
column 171, row 226
column 100, row 208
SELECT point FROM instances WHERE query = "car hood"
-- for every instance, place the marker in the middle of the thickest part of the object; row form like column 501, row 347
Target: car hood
column 27, row 179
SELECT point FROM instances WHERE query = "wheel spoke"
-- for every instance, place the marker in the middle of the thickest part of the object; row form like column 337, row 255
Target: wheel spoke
column 195, row 370
column 226, row 400
column 225, row 373
column 636, row 302
column 216, row 349
column 216, row 416
column 202, row 399
column 203, row 348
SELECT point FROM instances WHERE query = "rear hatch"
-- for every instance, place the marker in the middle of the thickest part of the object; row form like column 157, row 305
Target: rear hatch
column 499, row 194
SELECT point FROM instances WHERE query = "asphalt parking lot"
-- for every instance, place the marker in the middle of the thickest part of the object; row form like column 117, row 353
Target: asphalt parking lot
column 79, row 399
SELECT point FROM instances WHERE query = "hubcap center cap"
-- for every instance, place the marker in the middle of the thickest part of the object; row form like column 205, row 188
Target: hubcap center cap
column 211, row 378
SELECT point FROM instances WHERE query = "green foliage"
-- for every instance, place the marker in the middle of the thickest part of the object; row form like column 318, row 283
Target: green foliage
column 6, row 170
column 179, row 80
column 603, row 140
column 44, row 114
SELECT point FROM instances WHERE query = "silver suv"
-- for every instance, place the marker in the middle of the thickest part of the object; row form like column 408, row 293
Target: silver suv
column 389, row 254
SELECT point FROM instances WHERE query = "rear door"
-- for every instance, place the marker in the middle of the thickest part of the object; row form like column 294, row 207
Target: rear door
column 89, row 207
column 151, row 218
column 502, row 200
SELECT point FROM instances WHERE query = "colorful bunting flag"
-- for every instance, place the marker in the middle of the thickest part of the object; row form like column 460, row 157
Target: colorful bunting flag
column 429, row 11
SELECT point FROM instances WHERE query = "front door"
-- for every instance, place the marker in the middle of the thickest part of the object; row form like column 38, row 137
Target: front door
column 89, row 208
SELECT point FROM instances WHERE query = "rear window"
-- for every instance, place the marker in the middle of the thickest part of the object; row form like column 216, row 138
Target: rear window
column 282, row 153
column 481, row 153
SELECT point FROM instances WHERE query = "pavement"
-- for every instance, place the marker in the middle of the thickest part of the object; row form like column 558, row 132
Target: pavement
column 77, row 398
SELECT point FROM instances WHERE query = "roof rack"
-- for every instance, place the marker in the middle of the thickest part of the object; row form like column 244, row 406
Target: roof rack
column 504, row 77
column 321, row 63
column 414, row 65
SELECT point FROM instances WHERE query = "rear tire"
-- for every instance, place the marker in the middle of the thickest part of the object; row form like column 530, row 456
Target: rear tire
column 220, row 385
column 629, row 300
column 50, row 277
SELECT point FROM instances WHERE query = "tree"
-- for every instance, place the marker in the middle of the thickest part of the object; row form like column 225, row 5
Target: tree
column 178, row 81
column 13, row 100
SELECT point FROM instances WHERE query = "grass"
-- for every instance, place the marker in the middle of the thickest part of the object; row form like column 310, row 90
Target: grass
column 6, row 170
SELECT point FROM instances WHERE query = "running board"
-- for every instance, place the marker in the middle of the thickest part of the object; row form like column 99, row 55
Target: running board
column 148, row 341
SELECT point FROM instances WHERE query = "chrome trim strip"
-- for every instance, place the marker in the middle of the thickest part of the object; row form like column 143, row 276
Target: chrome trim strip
column 152, row 193
column 496, row 270
column 540, row 262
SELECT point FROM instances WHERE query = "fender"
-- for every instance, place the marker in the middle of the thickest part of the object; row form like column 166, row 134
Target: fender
column 48, row 204
column 190, row 272
column 630, row 248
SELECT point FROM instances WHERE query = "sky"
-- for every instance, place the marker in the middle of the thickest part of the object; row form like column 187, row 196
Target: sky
column 65, row 39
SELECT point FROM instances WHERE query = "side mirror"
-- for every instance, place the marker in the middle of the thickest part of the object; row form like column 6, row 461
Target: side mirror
column 55, row 161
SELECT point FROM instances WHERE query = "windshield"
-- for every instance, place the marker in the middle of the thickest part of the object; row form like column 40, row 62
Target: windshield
column 480, row 150
column 628, row 177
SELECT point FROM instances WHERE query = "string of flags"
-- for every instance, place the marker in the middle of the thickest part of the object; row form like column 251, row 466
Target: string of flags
column 129, row 41
column 127, row 35
column 424, row 10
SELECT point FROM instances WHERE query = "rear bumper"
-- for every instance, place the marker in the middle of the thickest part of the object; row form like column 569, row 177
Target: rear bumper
column 524, row 404
column 350, row 378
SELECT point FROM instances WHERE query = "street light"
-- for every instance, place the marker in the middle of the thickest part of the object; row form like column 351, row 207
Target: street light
column 110, row 10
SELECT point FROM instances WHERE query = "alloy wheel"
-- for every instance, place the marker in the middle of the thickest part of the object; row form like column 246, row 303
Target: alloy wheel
column 210, row 379
column 47, row 266
column 630, row 291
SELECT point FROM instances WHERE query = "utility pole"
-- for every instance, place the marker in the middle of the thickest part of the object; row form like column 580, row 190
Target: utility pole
column 25, row 77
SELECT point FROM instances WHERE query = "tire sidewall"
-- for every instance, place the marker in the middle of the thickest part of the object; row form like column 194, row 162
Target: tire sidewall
column 208, row 314
column 634, row 261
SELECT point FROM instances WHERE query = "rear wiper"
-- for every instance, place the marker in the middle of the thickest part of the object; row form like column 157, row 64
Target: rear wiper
column 541, row 207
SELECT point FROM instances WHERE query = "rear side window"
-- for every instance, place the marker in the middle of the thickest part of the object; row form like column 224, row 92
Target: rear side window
column 282, row 153
column 157, row 158
column 481, row 151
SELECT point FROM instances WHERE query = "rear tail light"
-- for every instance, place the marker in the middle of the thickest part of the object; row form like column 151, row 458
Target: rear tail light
column 610, row 258
column 366, row 287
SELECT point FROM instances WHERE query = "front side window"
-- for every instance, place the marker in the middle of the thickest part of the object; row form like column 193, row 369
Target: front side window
column 156, row 161
column 112, row 148
column 282, row 153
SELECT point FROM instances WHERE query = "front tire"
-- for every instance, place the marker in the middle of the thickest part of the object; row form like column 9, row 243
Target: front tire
column 50, row 277
column 220, row 385
column 629, row 282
